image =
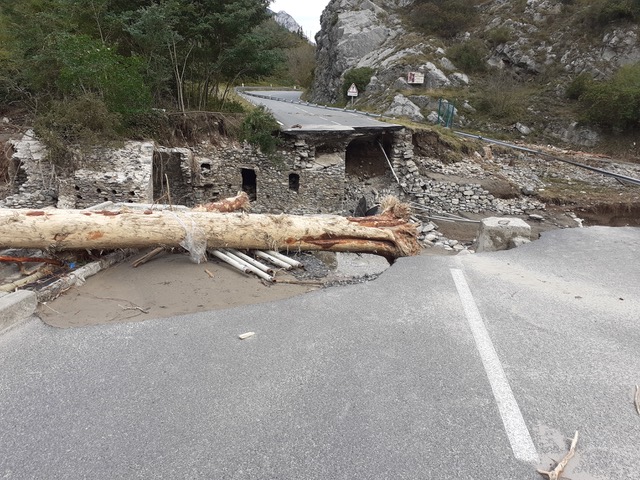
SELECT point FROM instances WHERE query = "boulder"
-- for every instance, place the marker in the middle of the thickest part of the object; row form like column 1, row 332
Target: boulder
column 403, row 107
column 502, row 233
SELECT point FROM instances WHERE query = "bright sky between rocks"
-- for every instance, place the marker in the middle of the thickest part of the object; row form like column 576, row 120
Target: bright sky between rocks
column 305, row 12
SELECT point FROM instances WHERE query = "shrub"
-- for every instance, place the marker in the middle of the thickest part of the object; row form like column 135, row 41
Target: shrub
column 498, row 36
column 469, row 56
column 76, row 122
column 358, row 76
column 615, row 104
column 258, row 129
column 578, row 86
column 600, row 13
column 502, row 98
column 86, row 65
column 445, row 18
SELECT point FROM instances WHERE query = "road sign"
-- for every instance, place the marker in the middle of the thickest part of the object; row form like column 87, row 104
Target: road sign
column 353, row 91
column 415, row 78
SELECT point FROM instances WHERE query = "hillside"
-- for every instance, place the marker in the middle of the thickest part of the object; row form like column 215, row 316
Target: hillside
column 556, row 71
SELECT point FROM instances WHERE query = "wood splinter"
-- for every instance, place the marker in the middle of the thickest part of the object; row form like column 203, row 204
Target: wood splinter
column 145, row 258
column 556, row 472
column 143, row 310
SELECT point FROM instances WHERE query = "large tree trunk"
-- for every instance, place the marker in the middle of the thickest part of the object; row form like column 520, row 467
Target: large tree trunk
column 55, row 230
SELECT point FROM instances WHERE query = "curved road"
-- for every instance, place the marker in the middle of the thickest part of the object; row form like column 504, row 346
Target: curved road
column 296, row 115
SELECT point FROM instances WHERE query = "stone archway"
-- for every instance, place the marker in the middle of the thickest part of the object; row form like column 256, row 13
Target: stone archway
column 366, row 156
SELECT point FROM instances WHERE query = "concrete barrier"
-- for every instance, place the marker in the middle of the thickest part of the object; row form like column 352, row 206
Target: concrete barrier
column 15, row 307
column 502, row 233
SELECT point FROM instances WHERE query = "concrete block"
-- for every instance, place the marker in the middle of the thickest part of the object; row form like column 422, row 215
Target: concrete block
column 15, row 307
column 502, row 233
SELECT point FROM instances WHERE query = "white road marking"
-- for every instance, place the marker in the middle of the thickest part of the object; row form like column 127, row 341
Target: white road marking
column 517, row 431
column 319, row 116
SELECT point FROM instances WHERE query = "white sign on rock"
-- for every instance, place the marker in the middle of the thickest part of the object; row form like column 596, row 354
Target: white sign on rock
column 415, row 78
column 353, row 90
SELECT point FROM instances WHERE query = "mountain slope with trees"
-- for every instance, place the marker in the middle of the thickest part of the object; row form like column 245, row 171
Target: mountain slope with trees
column 100, row 69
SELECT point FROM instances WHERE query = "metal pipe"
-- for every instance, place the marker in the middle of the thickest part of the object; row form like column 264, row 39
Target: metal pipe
column 251, row 261
column 284, row 258
column 225, row 258
column 250, row 267
column 273, row 260
column 634, row 181
column 389, row 162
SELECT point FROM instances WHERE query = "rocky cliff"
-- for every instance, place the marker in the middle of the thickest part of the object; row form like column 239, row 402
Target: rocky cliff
column 541, row 44
column 287, row 21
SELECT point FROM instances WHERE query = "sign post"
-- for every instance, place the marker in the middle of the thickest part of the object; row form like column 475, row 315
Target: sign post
column 352, row 92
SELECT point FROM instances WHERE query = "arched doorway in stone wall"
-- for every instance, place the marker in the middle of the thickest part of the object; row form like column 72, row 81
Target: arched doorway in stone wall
column 366, row 156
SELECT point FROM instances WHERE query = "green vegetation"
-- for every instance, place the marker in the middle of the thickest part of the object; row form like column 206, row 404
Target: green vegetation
column 600, row 13
column 469, row 56
column 258, row 129
column 444, row 18
column 121, row 59
column 614, row 104
column 78, row 122
column 502, row 97
column 499, row 35
column 578, row 86
column 358, row 76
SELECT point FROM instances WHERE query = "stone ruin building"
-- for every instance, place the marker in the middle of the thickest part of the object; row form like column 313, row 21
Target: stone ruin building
column 312, row 172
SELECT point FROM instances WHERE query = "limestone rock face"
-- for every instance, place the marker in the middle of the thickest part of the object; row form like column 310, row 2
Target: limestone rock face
column 539, row 37
column 350, row 30
column 287, row 21
column 371, row 33
column 403, row 107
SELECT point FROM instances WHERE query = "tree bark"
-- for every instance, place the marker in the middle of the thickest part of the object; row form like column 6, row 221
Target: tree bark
column 57, row 230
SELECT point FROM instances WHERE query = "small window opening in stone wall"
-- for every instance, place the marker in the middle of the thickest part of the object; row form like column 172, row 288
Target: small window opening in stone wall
column 249, row 183
column 294, row 182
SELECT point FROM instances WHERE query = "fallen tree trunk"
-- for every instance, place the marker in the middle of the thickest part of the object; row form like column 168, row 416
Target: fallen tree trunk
column 56, row 230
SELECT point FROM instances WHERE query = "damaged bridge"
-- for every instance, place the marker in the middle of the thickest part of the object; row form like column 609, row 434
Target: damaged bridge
column 326, row 159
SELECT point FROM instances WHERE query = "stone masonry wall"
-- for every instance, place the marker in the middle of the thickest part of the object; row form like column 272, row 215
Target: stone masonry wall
column 307, row 175
column 284, row 182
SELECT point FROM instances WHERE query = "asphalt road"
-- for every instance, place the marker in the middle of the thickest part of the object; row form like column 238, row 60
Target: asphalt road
column 296, row 115
column 391, row 379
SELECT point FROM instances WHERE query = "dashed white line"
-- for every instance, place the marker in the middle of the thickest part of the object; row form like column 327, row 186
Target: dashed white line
column 517, row 431
column 319, row 116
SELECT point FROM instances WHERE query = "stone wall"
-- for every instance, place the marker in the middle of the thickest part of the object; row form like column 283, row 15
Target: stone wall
column 35, row 178
column 121, row 176
column 288, row 181
column 310, row 173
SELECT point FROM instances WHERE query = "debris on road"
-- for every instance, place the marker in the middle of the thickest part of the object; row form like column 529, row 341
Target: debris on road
column 637, row 399
column 148, row 256
column 556, row 472
column 244, row 336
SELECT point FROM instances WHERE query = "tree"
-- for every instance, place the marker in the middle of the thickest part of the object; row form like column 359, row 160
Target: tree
column 86, row 65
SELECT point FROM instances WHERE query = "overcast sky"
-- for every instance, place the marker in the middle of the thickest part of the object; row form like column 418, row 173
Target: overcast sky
column 305, row 12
